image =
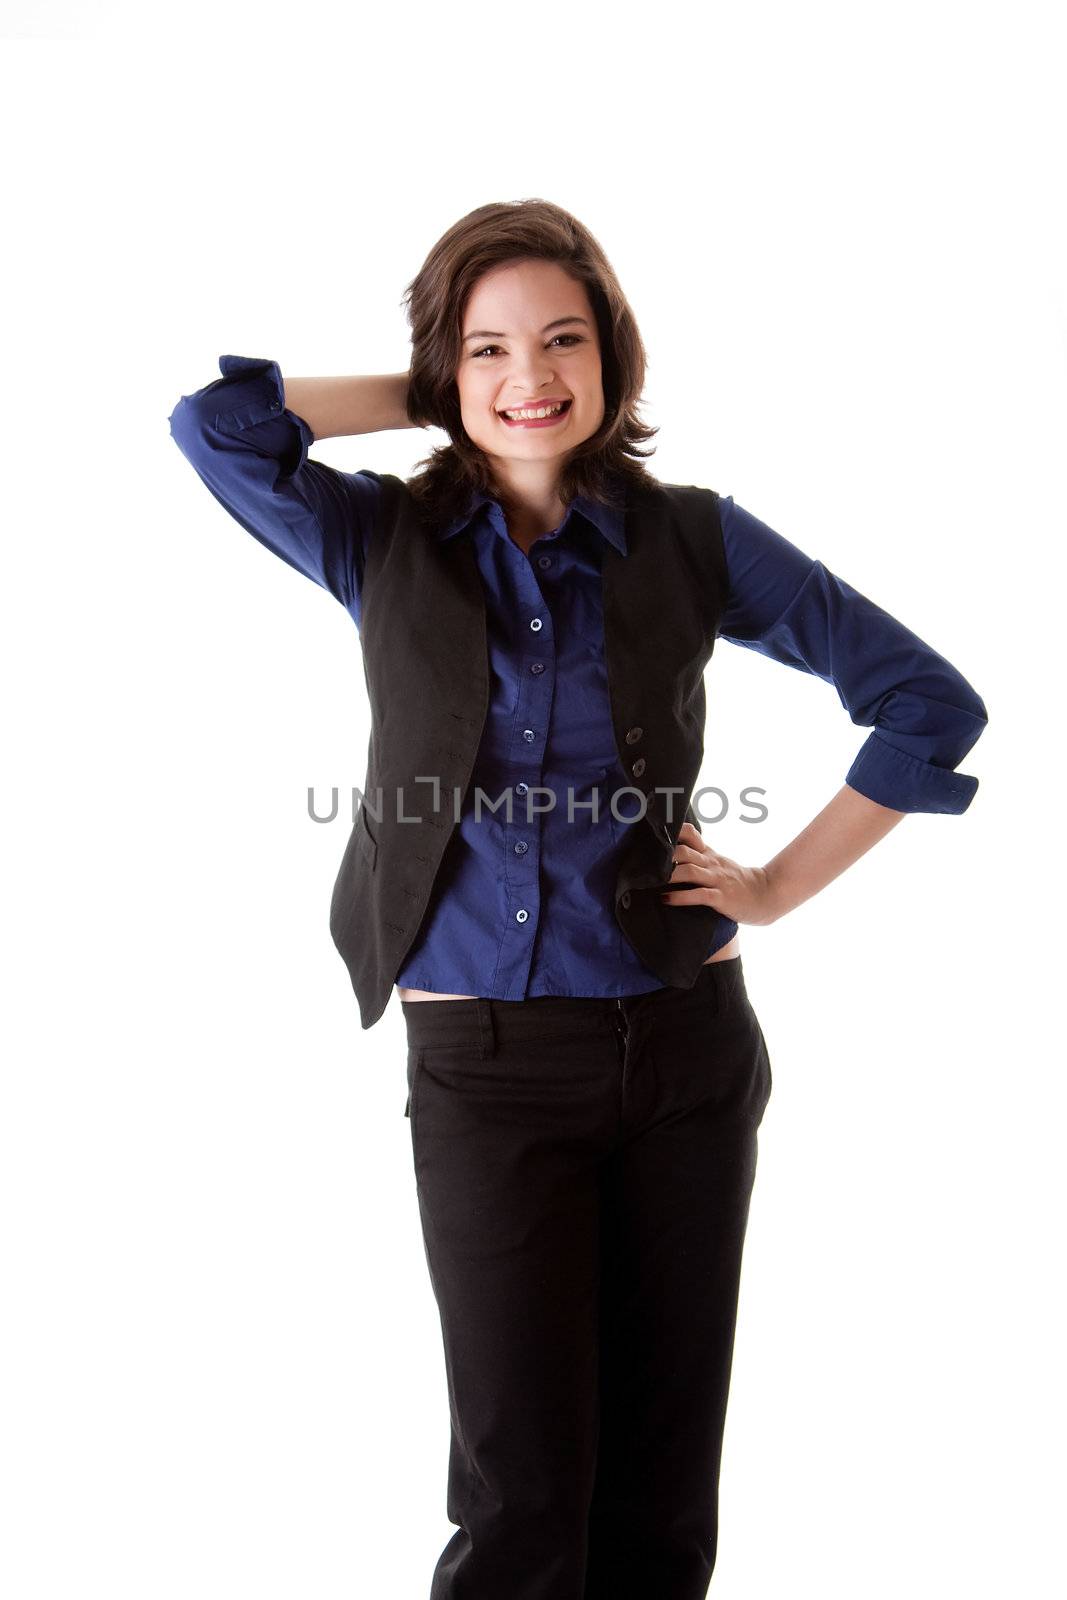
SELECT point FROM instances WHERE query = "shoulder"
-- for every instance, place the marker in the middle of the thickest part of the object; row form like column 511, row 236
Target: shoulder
column 694, row 510
column 685, row 496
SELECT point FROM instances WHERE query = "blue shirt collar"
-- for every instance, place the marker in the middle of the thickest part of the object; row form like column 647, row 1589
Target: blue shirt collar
column 609, row 520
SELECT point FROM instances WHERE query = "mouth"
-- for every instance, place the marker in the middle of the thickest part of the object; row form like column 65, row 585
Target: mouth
column 556, row 415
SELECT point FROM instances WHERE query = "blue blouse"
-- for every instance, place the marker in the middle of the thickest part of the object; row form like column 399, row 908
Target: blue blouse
column 549, row 722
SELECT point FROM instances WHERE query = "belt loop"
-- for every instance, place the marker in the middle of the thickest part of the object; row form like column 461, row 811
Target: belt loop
column 486, row 1029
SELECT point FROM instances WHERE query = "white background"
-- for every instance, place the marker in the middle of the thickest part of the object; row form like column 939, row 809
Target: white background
column 841, row 230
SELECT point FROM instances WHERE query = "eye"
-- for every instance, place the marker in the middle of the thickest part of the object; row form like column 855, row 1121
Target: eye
column 575, row 338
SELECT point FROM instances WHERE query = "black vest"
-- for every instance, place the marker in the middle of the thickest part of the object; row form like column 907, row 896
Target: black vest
column 426, row 665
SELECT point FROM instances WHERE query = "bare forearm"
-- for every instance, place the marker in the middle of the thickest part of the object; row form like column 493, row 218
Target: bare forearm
column 841, row 833
column 333, row 407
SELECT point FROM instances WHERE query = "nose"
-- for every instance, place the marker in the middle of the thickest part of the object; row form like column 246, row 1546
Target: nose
column 531, row 373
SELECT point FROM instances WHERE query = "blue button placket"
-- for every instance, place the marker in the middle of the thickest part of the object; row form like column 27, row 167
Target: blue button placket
column 536, row 647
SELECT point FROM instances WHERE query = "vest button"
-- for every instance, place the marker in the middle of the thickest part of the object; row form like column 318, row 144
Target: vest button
column 535, row 624
column 633, row 734
column 521, row 916
column 638, row 767
column 625, row 899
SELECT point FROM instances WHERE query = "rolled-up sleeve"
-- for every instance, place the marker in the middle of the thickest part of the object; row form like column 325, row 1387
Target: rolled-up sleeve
column 924, row 714
column 252, row 454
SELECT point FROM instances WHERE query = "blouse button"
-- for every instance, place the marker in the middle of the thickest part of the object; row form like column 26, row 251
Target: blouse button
column 521, row 916
column 535, row 624
column 521, row 847
column 544, row 561
column 529, row 735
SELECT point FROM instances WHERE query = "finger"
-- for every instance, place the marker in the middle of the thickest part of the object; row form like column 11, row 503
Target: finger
column 690, row 897
column 687, row 870
column 685, row 855
column 694, row 840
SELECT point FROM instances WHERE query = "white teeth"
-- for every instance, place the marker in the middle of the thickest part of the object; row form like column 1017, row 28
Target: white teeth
column 545, row 411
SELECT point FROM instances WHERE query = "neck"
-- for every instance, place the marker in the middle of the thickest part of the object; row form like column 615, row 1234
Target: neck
column 528, row 491
column 530, row 515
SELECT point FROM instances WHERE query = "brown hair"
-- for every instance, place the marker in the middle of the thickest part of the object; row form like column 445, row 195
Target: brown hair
column 602, row 466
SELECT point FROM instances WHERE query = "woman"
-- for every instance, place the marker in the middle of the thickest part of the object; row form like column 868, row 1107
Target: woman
column 586, row 1072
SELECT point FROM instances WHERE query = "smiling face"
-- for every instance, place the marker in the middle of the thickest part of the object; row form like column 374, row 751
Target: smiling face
column 529, row 339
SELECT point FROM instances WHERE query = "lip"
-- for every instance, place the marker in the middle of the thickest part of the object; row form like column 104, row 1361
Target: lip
column 539, row 422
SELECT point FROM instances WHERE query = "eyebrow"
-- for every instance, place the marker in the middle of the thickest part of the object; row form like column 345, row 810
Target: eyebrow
column 485, row 333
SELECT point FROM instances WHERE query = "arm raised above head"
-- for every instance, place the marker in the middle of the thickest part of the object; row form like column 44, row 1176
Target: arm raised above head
column 250, row 449
column 337, row 407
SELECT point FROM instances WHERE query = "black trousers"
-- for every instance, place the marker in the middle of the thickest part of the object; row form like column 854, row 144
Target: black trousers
column 583, row 1170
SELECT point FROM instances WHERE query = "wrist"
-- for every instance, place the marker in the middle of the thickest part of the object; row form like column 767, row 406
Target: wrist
column 775, row 895
column 400, row 382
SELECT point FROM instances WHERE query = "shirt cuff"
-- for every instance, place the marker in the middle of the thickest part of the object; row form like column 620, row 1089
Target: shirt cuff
column 254, row 394
column 904, row 783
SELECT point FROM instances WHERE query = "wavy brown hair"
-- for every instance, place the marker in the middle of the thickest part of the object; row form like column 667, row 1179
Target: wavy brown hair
column 602, row 466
